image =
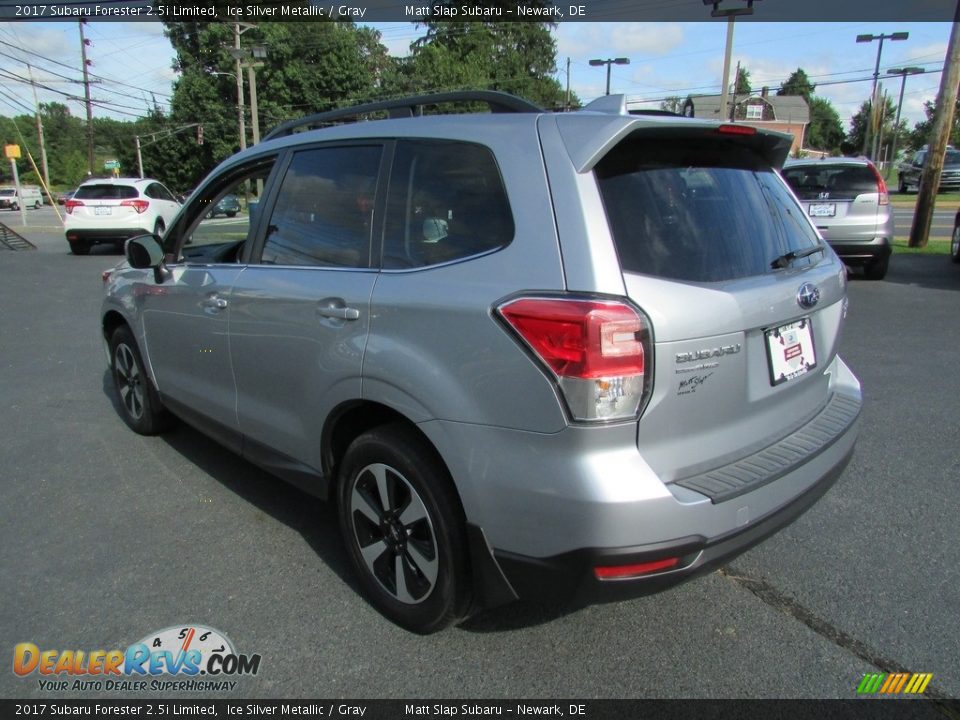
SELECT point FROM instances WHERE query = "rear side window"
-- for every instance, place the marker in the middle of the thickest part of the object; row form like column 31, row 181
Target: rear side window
column 446, row 202
column 106, row 192
column 836, row 182
column 698, row 210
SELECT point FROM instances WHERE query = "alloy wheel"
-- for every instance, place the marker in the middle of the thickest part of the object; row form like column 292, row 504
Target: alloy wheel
column 129, row 381
column 394, row 533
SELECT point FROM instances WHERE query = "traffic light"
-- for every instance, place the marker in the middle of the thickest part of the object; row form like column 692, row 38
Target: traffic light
column 199, row 134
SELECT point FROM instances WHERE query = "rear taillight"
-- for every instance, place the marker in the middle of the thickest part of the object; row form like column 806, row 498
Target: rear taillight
column 598, row 350
column 881, row 186
column 70, row 205
column 139, row 205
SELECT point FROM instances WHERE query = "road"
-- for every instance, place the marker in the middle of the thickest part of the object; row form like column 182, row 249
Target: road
column 107, row 537
column 940, row 228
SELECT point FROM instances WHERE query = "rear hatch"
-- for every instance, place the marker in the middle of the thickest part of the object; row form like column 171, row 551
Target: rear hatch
column 106, row 204
column 844, row 201
column 745, row 301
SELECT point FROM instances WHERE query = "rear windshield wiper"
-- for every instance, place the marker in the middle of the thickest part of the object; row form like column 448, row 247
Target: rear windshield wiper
column 787, row 258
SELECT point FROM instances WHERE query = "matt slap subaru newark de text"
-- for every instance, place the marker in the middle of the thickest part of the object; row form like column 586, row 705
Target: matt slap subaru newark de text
column 519, row 710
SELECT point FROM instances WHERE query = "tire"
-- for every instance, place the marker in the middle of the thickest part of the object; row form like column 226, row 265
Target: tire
column 140, row 405
column 80, row 247
column 902, row 186
column 877, row 270
column 36, row 205
column 404, row 529
column 231, row 214
column 955, row 244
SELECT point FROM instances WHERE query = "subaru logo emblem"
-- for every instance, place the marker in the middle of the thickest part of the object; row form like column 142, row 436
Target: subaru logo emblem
column 808, row 295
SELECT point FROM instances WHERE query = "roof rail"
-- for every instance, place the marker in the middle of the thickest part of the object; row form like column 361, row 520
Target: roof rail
column 408, row 107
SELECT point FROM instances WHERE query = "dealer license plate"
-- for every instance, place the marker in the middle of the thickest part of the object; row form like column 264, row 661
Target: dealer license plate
column 823, row 209
column 790, row 351
column 102, row 210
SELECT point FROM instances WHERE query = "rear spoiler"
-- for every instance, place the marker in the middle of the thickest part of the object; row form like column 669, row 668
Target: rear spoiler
column 588, row 136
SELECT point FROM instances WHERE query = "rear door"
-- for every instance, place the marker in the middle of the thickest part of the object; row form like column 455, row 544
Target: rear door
column 745, row 301
column 300, row 312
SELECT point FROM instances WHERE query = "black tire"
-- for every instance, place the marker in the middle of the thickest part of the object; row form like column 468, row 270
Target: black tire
column 140, row 406
column 955, row 244
column 877, row 270
column 902, row 186
column 36, row 205
column 231, row 214
column 80, row 247
column 409, row 549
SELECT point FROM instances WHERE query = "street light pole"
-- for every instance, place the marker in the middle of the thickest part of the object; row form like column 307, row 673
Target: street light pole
column 902, row 72
column 608, row 62
column 876, row 76
column 730, row 15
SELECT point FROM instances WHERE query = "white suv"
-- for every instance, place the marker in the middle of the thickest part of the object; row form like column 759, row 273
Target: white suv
column 113, row 209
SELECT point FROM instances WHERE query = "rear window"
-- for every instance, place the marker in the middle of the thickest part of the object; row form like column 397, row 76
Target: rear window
column 836, row 182
column 106, row 192
column 699, row 210
column 7, row 192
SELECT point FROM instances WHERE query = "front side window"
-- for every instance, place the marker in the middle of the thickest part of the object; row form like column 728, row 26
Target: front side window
column 702, row 211
column 324, row 209
column 217, row 229
column 446, row 202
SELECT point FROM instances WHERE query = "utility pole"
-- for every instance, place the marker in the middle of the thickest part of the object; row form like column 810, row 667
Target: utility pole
column 43, row 146
column 730, row 14
column 239, row 75
column 942, row 122
column 902, row 72
column 86, row 90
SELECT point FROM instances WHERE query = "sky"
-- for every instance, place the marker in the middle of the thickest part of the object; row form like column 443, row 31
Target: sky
column 131, row 62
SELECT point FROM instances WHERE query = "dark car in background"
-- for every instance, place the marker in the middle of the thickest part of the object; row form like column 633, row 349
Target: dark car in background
column 847, row 200
column 909, row 172
column 229, row 205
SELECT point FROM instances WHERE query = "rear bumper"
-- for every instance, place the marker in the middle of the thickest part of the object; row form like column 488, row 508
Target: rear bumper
column 570, row 577
column 103, row 234
column 552, row 508
column 854, row 252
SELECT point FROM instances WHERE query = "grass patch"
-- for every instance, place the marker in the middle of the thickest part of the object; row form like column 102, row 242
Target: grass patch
column 938, row 246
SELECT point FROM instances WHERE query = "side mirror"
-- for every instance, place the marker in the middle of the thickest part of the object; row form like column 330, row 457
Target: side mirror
column 144, row 251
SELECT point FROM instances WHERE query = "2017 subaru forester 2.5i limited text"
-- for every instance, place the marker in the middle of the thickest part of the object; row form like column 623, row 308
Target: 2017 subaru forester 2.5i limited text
column 578, row 356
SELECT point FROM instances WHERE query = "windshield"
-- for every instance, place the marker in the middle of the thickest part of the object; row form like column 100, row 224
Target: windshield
column 702, row 211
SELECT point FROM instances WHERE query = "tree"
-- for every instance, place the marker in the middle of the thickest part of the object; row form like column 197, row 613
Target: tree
column 673, row 104
column 514, row 57
column 826, row 130
column 798, row 84
column 921, row 133
column 743, row 82
column 858, row 127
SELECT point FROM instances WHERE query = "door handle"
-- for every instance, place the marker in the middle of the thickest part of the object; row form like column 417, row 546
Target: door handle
column 337, row 309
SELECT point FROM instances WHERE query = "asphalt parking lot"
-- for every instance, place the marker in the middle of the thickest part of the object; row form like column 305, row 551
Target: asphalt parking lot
column 107, row 537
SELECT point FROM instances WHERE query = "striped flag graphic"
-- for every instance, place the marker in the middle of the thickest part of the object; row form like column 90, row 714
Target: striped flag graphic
column 894, row 683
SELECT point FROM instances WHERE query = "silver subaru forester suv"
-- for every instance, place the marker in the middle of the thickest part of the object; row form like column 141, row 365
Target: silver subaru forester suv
column 575, row 357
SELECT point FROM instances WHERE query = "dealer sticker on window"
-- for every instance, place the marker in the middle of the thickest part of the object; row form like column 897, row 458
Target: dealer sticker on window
column 790, row 351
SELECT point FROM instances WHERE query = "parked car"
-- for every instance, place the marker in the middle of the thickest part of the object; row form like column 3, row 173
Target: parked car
column 29, row 196
column 569, row 356
column 111, row 210
column 847, row 200
column 228, row 205
column 909, row 172
column 65, row 195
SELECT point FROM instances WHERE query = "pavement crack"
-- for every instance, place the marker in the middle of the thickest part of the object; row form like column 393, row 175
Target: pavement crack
column 790, row 606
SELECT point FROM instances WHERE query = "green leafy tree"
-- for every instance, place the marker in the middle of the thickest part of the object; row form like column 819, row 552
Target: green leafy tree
column 826, row 129
column 859, row 122
column 743, row 82
column 922, row 132
column 798, row 84
column 673, row 104
column 513, row 57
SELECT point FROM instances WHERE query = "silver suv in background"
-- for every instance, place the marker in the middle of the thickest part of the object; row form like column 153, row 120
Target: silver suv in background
column 579, row 356
column 847, row 200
